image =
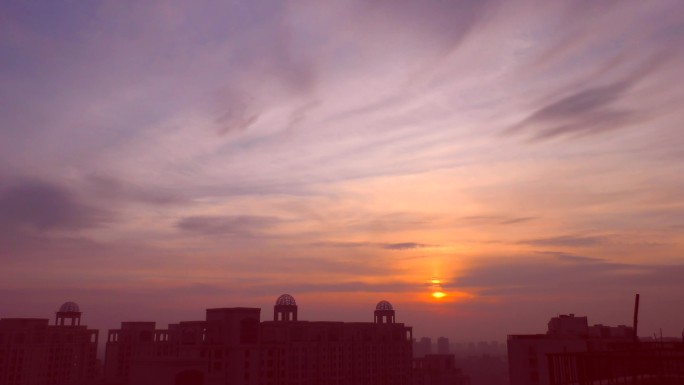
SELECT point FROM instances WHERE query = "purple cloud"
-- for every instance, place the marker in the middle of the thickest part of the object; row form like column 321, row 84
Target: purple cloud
column 43, row 206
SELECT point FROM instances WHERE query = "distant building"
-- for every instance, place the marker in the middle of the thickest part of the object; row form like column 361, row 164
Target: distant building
column 33, row 352
column 438, row 369
column 233, row 347
column 568, row 326
column 442, row 345
column 422, row 348
column 527, row 354
column 620, row 331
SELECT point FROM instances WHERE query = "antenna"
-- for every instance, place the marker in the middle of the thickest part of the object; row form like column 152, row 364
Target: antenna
column 636, row 317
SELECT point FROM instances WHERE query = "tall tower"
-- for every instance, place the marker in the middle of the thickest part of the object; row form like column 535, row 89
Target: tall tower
column 68, row 311
column 442, row 345
column 384, row 313
column 285, row 308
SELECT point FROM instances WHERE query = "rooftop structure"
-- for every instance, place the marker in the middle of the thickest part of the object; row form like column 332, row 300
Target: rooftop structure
column 285, row 308
column 384, row 313
column 69, row 314
column 384, row 305
column 69, row 307
column 286, row 300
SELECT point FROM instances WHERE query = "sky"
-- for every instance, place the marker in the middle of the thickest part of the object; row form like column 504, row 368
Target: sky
column 523, row 158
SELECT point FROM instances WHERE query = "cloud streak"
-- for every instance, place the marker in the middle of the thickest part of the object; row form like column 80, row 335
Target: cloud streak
column 569, row 241
column 405, row 246
column 240, row 225
column 587, row 112
column 42, row 206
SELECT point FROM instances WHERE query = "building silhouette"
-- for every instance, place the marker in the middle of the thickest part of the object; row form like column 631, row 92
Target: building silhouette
column 422, row 347
column 232, row 346
column 33, row 352
column 220, row 349
column 442, row 345
column 527, row 354
column 631, row 362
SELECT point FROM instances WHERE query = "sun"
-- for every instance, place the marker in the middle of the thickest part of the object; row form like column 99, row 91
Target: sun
column 439, row 294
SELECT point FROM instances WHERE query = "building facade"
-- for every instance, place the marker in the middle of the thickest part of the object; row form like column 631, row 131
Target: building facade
column 438, row 369
column 33, row 352
column 628, row 362
column 222, row 349
column 232, row 346
column 527, row 354
column 443, row 345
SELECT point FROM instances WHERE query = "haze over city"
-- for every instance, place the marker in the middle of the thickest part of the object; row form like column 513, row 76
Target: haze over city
column 482, row 165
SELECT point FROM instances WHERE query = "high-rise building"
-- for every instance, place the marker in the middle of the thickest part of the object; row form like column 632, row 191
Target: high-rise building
column 221, row 349
column 33, row 352
column 301, row 352
column 527, row 354
column 442, row 345
column 232, row 346
column 422, row 347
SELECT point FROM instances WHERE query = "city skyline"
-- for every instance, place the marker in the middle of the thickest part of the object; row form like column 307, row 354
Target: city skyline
column 235, row 343
column 482, row 165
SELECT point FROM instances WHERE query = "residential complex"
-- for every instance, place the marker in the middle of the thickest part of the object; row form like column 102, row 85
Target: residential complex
column 233, row 346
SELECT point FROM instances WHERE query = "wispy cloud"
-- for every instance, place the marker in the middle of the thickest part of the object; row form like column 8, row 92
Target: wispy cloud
column 568, row 240
column 586, row 112
column 241, row 225
column 405, row 246
column 114, row 190
column 494, row 219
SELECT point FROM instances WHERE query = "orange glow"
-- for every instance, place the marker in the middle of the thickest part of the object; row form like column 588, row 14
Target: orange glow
column 439, row 294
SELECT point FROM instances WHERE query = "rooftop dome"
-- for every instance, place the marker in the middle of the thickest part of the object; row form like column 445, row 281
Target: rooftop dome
column 69, row 307
column 384, row 305
column 286, row 299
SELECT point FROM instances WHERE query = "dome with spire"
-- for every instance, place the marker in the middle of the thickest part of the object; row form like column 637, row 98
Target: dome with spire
column 286, row 300
column 384, row 305
column 69, row 307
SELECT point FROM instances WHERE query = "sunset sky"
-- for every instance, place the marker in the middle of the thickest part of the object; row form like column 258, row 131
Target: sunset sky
column 525, row 158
